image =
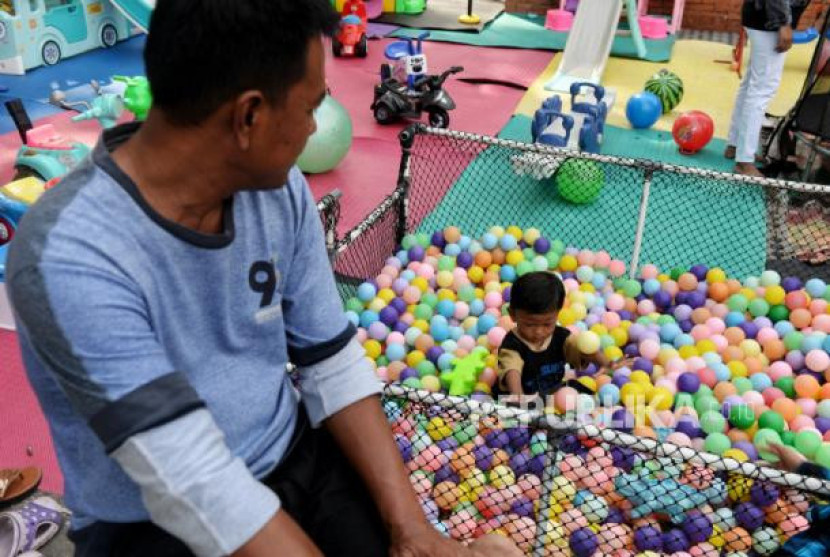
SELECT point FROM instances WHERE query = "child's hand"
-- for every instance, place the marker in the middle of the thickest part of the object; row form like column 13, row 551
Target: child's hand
column 789, row 458
column 518, row 401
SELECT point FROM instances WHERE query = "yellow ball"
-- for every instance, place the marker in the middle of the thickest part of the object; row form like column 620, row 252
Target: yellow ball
column 716, row 538
column 661, row 399
column 386, row 294
column 738, row 487
column 421, row 325
column 775, row 295
column 475, row 274
column 588, row 342
column 531, row 235
column 738, row 368
column 735, row 454
column 373, row 348
column 715, row 274
column 600, row 329
column 567, row 317
column 514, row 257
column 588, row 382
column 376, row 305
column 706, row 345
column 640, row 376
column 422, row 284
column 502, row 476
column 480, row 293
column 581, row 310
column 687, row 352
column 613, row 353
column 515, row 231
column 748, row 293
column 474, row 478
column 497, row 231
column 620, row 336
column 587, row 287
column 750, row 348
column 666, row 353
column 568, row 263
column 562, row 489
column 554, row 532
column 444, row 279
column 414, row 358
column 663, row 277
column 438, row 429
column 446, row 294
column 633, row 394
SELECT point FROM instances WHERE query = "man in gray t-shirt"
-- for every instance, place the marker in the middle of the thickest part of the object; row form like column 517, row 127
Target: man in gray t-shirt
column 162, row 288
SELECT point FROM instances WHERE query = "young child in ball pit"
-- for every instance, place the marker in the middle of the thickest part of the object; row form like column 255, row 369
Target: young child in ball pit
column 533, row 355
column 815, row 541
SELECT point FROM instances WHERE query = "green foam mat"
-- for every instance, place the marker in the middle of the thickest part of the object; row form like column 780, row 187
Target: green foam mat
column 690, row 219
column 528, row 31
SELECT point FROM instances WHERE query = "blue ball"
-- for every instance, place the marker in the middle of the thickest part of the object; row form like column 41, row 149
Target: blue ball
column 445, row 361
column 366, row 292
column 395, row 352
column 651, row 287
column 440, row 332
column 643, row 110
column 367, row 317
column 683, row 340
column 465, row 242
column 485, row 323
column 446, row 308
column 815, row 287
column 508, row 242
column 353, row 317
column 760, row 381
column 456, row 333
column 722, row 373
column 477, row 307
column 507, row 273
column 813, row 341
column 489, row 241
column 452, row 250
column 826, row 344
column 609, row 394
column 734, row 318
column 669, row 332
column 783, row 328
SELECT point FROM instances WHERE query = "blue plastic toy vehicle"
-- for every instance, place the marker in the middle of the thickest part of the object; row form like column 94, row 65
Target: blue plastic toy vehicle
column 582, row 129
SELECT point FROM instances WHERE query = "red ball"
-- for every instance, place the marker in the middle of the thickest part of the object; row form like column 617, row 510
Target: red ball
column 692, row 131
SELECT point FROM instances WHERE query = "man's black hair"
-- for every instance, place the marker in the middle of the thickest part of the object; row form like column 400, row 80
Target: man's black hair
column 202, row 53
column 537, row 292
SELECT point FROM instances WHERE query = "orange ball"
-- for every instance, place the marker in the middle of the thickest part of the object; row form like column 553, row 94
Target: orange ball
column 498, row 256
column 723, row 390
column 824, row 391
column 787, row 408
column 754, row 365
column 735, row 435
column 700, row 315
column 807, row 386
column 774, row 349
column 463, row 459
column 719, row 291
column 500, row 458
column 732, row 353
column 737, row 539
column 734, row 286
column 734, row 335
column 801, row 318
column 687, row 282
column 433, row 251
column 630, row 305
column 777, row 512
column 483, row 259
column 644, row 431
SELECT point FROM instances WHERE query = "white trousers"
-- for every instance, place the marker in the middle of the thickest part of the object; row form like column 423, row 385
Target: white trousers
column 758, row 87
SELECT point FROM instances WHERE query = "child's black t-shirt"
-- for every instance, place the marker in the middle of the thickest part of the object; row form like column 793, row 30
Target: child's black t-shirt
column 542, row 372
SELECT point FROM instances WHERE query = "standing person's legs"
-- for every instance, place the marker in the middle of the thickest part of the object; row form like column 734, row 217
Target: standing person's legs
column 737, row 113
column 766, row 66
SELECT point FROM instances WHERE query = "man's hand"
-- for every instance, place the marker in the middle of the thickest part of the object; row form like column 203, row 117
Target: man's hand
column 785, row 39
column 427, row 542
column 789, row 458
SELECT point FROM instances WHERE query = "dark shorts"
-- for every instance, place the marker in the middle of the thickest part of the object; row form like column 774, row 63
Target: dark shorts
column 317, row 487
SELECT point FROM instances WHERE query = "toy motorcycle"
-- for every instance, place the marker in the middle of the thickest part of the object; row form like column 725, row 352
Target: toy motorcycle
column 394, row 99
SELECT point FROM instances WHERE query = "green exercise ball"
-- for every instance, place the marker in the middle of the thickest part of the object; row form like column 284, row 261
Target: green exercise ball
column 579, row 181
column 332, row 140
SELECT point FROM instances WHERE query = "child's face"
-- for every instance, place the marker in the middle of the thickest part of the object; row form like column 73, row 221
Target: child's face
column 535, row 327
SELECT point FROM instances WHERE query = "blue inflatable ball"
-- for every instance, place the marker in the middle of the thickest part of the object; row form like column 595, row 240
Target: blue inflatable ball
column 643, row 110
column 331, row 142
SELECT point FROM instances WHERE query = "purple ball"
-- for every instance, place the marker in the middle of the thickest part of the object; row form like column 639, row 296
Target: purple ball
column 795, row 358
column 622, row 420
column 446, row 474
column 762, row 322
column 615, row 516
column 401, row 327
column 590, row 370
column 434, row 353
column 822, row 424
column 697, row 526
column 648, row 538
column 675, row 540
column 416, row 253
column 569, row 444
column 520, row 463
column 399, row 305
column 682, row 312
column 662, row 299
column 464, row 260
column 568, row 275
column 631, row 350
column 484, row 457
column 682, row 298
column 448, row 444
column 388, row 316
column 625, row 315
column 748, row 449
column 688, row 383
column 763, row 494
column 583, row 542
column 697, row 299
column 505, row 295
column 404, row 447
column 623, row 457
column 536, row 465
column 643, row 364
column 688, row 426
column 749, row 328
column 699, row 271
column 522, row 507
column 496, row 439
column 541, row 245
column 407, row 373
column 619, row 380
column 686, row 325
column 790, row 283
column 749, row 516
column 438, row 239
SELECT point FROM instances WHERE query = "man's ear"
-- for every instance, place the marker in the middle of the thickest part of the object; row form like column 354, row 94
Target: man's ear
column 247, row 115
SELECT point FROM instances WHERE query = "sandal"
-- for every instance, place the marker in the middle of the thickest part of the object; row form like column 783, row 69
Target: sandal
column 17, row 483
column 30, row 527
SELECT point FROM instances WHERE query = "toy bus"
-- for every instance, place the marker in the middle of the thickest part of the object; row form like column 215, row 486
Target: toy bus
column 43, row 32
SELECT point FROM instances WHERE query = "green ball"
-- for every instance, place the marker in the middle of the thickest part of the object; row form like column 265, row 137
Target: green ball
column 330, row 143
column 467, row 293
column 737, row 302
column 558, row 246
column 712, row 422
column 446, row 263
column 771, row 420
column 524, row 267
column 704, row 391
column 684, row 400
column 706, row 404
column 529, row 254
column 579, row 181
column 424, row 368
column 793, row 340
column 412, row 383
column 787, row 385
column 382, row 361
column 807, row 442
column 423, row 239
column 632, row 288
column 788, row 438
column 758, row 307
column 822, row 455
column 742, row 384
column 676, row 272
column 464, row 432
column 553, row 259
column 665, row 320
column 716, row 443
column 762, row 438
column 779, row 313
column 408, row 241
column 355, row 305
column 430, row 299
column 741, row 416
column 423, row 311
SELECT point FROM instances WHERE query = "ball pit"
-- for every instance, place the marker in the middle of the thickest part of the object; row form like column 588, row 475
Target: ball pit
column 702, row 360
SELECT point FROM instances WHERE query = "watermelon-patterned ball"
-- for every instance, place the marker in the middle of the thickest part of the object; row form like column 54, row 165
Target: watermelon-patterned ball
column 668, row 87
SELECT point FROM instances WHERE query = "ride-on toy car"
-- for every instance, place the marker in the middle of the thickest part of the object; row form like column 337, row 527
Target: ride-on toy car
column 351, row 38
column 407, row 90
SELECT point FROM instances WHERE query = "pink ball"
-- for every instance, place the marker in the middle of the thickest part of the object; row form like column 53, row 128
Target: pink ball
column 573, row 519
column 794, row 524
column 680, row 554
column 390, row 270
column 411, row 295
column 467, row 343
column 407, row 318
column 808, row 406
column 818, row 307
column 617, row 268
column 586, row 257
column 598, row 456
column 697, row 444
column 671, row 287
column 649, row 271
column 611, row 319
column 720, row 342
column 615, row 302
column 766, row 334
column 676, row 365
column 384, row 281
column 382, row 374
column 649, row 349
column 716, row 325
column 495, row 336
column 802, row 422
column 700, row 332
column 395, row 338
column 778, row 370
column 679, row 439
column 362, row 335
column 646, row 307
column 573, row 468
column 708, row 377
column 771, row 394
column 462, row 310
column 720, row 311
column 668, row 384
column 428, row 459
column 602, row 259
column 571, row 284
column 817, row 360
column 695, row 363
column 753, row 399
column 704, row 549
column 426, row 271
column 531, row 486
column 414, row 266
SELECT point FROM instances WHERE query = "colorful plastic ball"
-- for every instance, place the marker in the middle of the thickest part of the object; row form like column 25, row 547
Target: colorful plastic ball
column 583, row 542
column 741, row 416
column 762, row 438
column 717, row 443
column 817, row 360
column 579, row 182
column 648, row 538
column 765, row 541
column 643, row 110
